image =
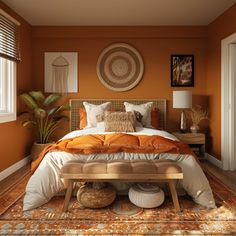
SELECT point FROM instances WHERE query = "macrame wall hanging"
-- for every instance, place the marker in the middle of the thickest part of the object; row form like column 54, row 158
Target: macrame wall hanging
column 61, row 73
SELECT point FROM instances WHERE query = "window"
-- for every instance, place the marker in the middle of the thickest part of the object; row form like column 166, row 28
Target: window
column 7, row 90
column 9, row 55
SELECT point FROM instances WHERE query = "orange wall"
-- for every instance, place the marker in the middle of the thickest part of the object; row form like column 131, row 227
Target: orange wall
column 156, row 44
column 221, row 28
column 15, row 140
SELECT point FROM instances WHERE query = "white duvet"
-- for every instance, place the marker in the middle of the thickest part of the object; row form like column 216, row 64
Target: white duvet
column 46, row 182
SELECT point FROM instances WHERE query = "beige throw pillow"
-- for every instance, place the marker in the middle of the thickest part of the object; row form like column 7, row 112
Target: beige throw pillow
column 119, row 122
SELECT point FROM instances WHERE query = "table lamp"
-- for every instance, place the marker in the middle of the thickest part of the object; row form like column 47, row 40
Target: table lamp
column 182, row 99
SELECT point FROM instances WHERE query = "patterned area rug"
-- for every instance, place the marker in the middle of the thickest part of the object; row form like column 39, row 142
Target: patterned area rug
column 122, row 217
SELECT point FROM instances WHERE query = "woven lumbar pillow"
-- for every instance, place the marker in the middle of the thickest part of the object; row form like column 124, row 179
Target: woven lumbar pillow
column 91, row 197
column 120, row 122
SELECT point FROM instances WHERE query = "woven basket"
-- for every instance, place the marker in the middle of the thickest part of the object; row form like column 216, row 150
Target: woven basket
column 96, row 198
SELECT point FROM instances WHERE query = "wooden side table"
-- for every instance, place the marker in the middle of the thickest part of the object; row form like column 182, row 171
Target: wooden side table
column 197, row 142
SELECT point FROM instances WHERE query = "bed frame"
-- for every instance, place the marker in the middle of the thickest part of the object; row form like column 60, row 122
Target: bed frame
column 117, row 105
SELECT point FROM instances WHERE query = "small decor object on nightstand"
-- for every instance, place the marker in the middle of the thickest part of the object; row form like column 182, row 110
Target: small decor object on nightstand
column 182, row 99
column 197, row 115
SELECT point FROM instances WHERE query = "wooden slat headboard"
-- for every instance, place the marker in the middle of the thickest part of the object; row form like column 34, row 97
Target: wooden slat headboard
column 117, row 105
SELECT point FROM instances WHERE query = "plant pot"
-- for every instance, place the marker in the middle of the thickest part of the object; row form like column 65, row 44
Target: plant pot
column 37, row 148
column 194, row 128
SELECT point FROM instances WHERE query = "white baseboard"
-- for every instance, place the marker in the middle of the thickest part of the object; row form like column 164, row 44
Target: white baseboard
column 214, row 161
column 5, row 173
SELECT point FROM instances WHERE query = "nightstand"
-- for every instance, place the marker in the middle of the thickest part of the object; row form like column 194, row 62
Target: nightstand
column 196, row 142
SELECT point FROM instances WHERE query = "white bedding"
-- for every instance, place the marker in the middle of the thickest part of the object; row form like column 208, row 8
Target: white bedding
column 46, row 183
column 100, row 130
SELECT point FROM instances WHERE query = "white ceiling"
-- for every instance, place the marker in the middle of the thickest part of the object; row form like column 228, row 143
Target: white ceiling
column 119, row 12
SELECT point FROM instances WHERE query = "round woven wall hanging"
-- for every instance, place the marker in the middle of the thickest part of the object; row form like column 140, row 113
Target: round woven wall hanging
column 120, row 67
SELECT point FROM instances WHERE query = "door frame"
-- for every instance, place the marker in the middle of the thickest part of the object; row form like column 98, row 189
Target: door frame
column 227, row 106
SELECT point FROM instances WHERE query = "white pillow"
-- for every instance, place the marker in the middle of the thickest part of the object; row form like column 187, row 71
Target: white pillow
column 93, row 110
column 101, row 125
column 144, row 109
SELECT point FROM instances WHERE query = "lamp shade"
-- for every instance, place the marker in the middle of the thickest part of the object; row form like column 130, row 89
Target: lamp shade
column 182, row 99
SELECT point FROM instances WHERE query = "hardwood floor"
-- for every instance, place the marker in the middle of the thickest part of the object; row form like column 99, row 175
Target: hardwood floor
column 11, row 180
column 227, row 177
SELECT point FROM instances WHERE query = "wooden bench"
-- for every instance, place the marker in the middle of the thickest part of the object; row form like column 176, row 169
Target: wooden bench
column 121, row 171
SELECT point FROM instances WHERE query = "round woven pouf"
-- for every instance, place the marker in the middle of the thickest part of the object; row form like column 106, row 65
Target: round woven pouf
column 146, row 195
column 96, row 198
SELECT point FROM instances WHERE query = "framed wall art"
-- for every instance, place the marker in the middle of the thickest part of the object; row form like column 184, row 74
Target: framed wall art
column 61, row 72
column 182, row 70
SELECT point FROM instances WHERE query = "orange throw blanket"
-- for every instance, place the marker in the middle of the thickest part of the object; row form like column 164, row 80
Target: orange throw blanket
column 115, row 142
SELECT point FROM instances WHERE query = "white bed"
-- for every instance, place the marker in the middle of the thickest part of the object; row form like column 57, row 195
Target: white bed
column 46, row 183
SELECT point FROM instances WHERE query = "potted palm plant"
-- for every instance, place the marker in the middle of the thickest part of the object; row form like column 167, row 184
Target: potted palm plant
column 44, row 116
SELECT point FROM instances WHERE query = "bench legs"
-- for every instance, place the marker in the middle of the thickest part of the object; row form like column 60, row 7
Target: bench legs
column 68, row 195
column 170, row 182
column 174, row 195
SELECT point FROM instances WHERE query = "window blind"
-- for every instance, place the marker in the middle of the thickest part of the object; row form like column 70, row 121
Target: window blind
column 9, row 37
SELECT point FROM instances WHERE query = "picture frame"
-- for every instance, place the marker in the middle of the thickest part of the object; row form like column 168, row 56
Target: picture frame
column 182, row 70
column 61, row 72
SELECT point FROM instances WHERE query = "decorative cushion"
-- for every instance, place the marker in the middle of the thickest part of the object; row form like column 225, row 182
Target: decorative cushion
column 93, row 110
column 83, row 118
column 146, row 195
column 120, row 122
column 144, row 109
column 96, row 197
column 154, row 118
column 138, row 116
